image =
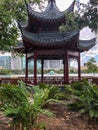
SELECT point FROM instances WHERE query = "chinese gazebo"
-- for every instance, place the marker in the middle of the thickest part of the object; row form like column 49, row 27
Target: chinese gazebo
column 42, row 39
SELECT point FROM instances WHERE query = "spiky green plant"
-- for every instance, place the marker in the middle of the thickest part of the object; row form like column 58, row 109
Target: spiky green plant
column 20, row 105
column 85, row 99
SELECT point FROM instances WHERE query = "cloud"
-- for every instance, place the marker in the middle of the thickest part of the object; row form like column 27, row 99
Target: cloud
column 63, row 4
column 73, row 63
column 84, row 1
column 86, row 34
column 92, row 53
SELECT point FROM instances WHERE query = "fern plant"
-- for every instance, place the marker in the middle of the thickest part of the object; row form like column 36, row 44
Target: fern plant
column 85, row 99
column 23, row 107
column 50, row 94
column 56, row 93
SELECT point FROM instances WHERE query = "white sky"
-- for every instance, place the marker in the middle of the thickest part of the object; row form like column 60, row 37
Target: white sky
column 63, row 4
column 5, row 53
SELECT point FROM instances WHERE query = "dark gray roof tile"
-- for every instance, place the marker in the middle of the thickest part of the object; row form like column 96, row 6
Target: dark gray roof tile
column 49, row 38
column 51, row 13
column 86, row 44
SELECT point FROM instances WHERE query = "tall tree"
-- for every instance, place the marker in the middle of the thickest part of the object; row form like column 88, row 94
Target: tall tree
column 92, row 14
column 8, row 32
column 91, row 66
column 85, row 15
column 9, row 14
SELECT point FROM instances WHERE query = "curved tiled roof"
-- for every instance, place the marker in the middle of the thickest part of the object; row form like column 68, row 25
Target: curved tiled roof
column 86, row 44
column 69, row 40
column 83, row 45
column 20, row 47
column 51, row 13
column 58, row 39
column 49, row 39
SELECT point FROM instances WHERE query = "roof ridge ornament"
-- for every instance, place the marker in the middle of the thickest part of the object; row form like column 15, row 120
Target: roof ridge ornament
column 51, row 1
column 51, row 13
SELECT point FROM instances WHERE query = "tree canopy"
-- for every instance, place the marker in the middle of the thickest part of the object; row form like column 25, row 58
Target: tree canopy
column 85, row 15
column 10, row 13
column 91, row 66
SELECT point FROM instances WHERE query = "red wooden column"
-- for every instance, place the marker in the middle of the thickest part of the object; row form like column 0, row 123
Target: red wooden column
column 79, row 67
column 26, row 73
column 35, row 67
column 66, row 72
column 42, row 70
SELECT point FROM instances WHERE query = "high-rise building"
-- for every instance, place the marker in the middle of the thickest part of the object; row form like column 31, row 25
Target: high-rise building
column 5, row 60
column 30, row 64
column 53, row 64
column 16, row 63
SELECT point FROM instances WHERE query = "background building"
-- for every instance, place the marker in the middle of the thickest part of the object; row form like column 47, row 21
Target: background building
column 16, row 63
column 53, row 64
column 5, row 60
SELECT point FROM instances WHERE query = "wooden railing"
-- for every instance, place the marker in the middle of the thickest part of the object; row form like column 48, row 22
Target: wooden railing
column 59, row 80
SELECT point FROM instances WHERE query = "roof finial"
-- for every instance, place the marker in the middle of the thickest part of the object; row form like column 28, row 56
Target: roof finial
column 51, row 1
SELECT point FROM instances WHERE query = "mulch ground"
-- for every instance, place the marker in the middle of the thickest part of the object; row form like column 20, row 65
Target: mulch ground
column 4, row 122
column 63, row 120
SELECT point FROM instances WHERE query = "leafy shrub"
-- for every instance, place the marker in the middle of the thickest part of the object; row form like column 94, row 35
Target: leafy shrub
column 50, row 93
column 17, row 72
column 85, row 98
column 5, row 71
column 55, row 92
column 23, row 107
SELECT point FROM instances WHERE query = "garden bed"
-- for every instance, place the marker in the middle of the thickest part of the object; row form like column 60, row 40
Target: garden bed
column 63, row 120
